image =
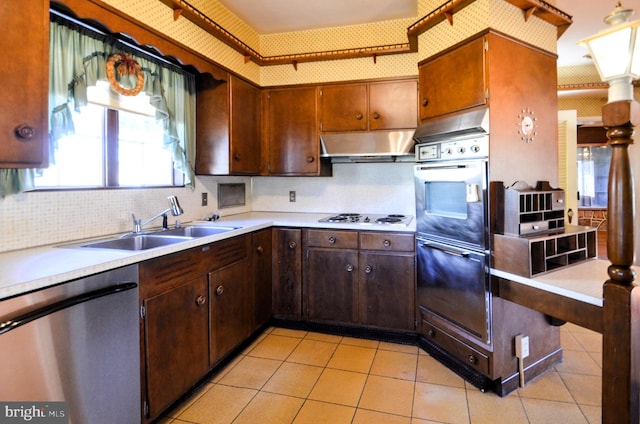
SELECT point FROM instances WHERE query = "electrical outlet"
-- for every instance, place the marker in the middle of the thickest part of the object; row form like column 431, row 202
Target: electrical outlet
column 292, row 196
column 205, row 199
column 522, row 346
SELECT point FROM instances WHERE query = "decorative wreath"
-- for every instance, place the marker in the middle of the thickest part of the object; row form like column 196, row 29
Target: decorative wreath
column 124, row 64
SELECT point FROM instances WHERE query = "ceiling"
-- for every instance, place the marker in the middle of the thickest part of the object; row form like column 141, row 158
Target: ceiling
column 274, row 16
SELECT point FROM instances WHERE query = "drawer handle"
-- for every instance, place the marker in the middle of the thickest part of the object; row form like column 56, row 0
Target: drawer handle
column 332, row 240
column 473, row 359
column 310, row 159
column 368, row 269
column 425, row 102
column 376, row 115
column 350, row 268
column 431, row 332
column 359, row 116
column 236, row 157
column 386, row 243
column 25, row 132
column 259, row 249
column 220, row 290
column 201, row 300
column 292, row 245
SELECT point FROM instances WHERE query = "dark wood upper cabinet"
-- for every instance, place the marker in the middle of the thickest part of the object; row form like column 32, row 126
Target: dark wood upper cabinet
column 453, row 81
column 291, row 129
column 24, row 141
column 228, row 129
column 382, row 105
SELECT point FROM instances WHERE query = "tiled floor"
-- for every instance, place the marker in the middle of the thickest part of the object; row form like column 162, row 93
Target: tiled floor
column 289, row 376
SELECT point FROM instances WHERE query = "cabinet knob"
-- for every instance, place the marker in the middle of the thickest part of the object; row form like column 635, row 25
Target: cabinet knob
column 368, row 269
column 376, row 115
column 350, row 268
column 386, row 243
column 359, row 116
column 425, row 102
column 220, row 290
column 201, row 300
column 310, row 159
column 431, row 332
column 24, row 132
column 236, row 157
column 332, row 240
column 292, row 245
column 473, row 359
column 259, row 249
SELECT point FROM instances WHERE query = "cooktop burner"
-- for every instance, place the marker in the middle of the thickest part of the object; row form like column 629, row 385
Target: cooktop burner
column 390, row 219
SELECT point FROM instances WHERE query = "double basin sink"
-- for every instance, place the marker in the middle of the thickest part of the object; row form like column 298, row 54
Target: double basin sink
column 158, row 238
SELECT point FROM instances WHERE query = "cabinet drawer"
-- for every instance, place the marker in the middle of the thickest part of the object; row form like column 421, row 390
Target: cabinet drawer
column 455, row 347
column 166, row 272
column 387, row 241
column 331, row 238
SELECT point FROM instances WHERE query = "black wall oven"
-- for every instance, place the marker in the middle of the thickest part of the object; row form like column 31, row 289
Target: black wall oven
column 452, row 234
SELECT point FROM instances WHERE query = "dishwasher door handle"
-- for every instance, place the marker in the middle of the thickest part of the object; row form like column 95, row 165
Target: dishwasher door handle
column 13, row 323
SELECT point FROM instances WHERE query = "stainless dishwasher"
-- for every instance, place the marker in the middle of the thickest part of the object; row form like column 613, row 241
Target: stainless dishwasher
column 77, row 343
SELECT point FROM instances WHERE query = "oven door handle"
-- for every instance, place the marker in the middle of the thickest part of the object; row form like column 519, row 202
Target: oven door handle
column 462, row 254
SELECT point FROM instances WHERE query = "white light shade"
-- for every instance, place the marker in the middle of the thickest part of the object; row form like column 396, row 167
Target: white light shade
column 615, row 51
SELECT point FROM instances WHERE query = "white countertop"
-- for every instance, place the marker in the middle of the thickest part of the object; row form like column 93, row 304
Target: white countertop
column 582, row 281
column 36, row 268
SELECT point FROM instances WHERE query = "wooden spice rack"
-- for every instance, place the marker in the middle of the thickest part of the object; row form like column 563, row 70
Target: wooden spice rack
column 536, row 255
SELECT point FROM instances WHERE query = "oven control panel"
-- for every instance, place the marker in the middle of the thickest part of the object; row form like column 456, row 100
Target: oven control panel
column 467, row 148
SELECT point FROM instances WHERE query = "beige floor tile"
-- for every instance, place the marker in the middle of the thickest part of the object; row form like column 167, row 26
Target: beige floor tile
column 585, row 389
column 270, row 408
column 568, row 341
column 275, row 347
column 597, row 358
column 329, row 338
column 578, row 363
column 388, row 395
column 184, row 405
column 251, row 373
column 489, row 408
column 220, row 405
column 353, row 341
column 288, row 332
column 548, row 386
column 293, row 380
column 388, row 363
column 364, row 416
column 440, row 403
column 590, row 342
column 313, row 352
column 574, row 328
column 395, row 347
column 431, row 371
column 547, row 411
column 224, row 371
column 352, row 358
column 593, row 413
column 314, row 412
column 338, row 386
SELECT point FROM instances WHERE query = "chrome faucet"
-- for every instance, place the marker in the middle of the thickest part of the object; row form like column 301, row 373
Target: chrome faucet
column 174, row 208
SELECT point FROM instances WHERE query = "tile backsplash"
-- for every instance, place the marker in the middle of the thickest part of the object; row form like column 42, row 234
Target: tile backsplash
column 51, row 217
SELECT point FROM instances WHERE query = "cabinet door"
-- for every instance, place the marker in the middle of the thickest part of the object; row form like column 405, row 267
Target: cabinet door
column 393, row 105
column 23, row 121
column 287, row 272
column 331, row 285
column 245, row 128
column 175, row 337
column 262, row 276
column 292, row 128
column 344, row 107
column 387, row 290
column 231, row 308
column 453, row 81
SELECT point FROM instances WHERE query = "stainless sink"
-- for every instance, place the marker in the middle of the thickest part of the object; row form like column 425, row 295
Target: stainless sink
column 197, row 231
column 139, row 242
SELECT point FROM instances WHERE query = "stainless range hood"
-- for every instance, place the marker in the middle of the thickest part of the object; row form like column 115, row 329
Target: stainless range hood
column 374, row 146
column 474, row 122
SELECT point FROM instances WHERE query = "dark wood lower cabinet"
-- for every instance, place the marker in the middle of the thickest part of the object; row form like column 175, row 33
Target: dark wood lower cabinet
column 287, row 272
column 176, row 324
column 262, row 269
column 231, row 308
